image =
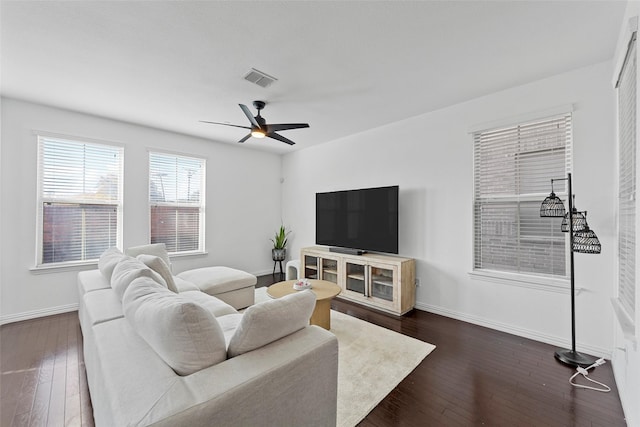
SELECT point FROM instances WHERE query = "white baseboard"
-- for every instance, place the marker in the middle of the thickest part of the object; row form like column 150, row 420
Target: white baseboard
column 10, row 318
column 510, row 329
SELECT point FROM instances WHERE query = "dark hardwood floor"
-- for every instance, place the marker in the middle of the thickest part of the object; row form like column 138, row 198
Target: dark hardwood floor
column 43, row 380
column 479, row 376
column 475, row 376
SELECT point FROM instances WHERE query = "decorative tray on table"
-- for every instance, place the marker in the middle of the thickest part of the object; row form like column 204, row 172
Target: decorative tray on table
column 302, row 284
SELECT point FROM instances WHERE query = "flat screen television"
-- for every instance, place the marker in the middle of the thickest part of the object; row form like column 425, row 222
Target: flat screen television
column 358, row 220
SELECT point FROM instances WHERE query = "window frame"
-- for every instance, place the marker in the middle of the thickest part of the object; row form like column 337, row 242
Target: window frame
column 201, row 250
column 41, row 200
column 548, row 282
column 626, row 317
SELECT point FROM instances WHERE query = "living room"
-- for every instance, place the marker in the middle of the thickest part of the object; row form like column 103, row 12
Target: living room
column 251, row 190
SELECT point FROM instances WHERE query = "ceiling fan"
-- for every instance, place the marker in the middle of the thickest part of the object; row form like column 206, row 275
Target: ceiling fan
column 259, row 127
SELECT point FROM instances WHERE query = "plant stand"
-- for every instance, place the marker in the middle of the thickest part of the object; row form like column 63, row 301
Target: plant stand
column 278, row 255
column 275, row 263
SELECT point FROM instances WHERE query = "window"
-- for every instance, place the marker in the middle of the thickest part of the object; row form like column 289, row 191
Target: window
column 513, row 167
column 627, row 182
column 79, row 200
column 176, row 201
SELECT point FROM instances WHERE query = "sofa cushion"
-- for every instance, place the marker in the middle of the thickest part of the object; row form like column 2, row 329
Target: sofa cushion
column 129, row 269
column 92, row 280
column 216, row 280
column 271, row 320
column 126, row 377
column 183, row 285
column 108, row 261
column 156, row 263
column 157, row 249
column 100, row 306
column 183, row 333
column 212, row 304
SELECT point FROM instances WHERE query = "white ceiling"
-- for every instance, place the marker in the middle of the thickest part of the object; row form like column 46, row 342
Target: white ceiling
column 343, row 66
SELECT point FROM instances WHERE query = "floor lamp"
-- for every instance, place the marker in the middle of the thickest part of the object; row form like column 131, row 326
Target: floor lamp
column 581, row 240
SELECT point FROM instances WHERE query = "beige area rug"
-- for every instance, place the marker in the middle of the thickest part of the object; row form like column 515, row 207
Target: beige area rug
column 372, row 361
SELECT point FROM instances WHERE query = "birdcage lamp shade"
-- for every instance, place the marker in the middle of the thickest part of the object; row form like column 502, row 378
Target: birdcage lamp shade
column 552, row 206
column 578, row 219
column 586, row 241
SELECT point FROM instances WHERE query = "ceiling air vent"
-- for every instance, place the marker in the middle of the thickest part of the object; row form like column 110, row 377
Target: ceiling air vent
column 259, row 78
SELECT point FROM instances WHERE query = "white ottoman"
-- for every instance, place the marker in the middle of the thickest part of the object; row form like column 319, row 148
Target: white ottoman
column 235, row 287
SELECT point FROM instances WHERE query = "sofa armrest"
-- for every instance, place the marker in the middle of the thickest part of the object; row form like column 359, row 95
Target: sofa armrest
column 292, row 381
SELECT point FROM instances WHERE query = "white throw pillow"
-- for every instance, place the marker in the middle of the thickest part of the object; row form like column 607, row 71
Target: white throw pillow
column 129, row 269
column 157, row 249
column 184, row 334
column 159, row 266
column 269, row 321
column 108, row 261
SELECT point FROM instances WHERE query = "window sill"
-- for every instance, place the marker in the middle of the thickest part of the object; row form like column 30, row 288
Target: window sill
column 626, row 323
column 549, row 284
column 64, row 266
column 187, row 254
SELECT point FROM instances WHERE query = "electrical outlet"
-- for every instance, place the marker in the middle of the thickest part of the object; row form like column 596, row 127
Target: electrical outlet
column 417, row 282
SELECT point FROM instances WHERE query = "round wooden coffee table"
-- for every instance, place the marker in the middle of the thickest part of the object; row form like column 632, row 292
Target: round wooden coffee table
column 324, row 291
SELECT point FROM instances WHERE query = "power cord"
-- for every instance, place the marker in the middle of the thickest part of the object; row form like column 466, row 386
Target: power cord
column 585, row 373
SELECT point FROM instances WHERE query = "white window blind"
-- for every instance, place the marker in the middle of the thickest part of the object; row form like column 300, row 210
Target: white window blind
column 513, row 167
column 79, row 199
column 176, row 200
column 627, row 182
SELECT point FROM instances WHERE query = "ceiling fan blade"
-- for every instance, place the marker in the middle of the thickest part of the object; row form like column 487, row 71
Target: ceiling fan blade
column 225, row 124
column 245, row 138
column 247, row 113
column 280, row 138
column 286, row 126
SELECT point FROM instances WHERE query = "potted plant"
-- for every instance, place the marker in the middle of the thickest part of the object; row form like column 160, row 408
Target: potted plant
column 279, row 251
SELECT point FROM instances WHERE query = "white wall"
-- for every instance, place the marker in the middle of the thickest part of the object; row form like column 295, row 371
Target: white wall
column 242, row 193
column 431, row 158
column 626, row 349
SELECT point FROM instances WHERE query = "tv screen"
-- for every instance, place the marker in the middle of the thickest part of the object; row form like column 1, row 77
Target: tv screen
column 364, row 219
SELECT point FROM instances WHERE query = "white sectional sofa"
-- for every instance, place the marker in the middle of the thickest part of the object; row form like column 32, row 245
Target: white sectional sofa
column 168, row 354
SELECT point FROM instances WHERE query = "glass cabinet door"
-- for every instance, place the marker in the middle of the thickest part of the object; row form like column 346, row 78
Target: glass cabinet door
column 329, row 269
column 310, row 264
column 356, row 279
column 382, row 283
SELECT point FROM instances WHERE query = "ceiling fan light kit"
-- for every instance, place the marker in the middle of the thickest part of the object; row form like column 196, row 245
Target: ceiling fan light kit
column 257, row 133
column 259, row 127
